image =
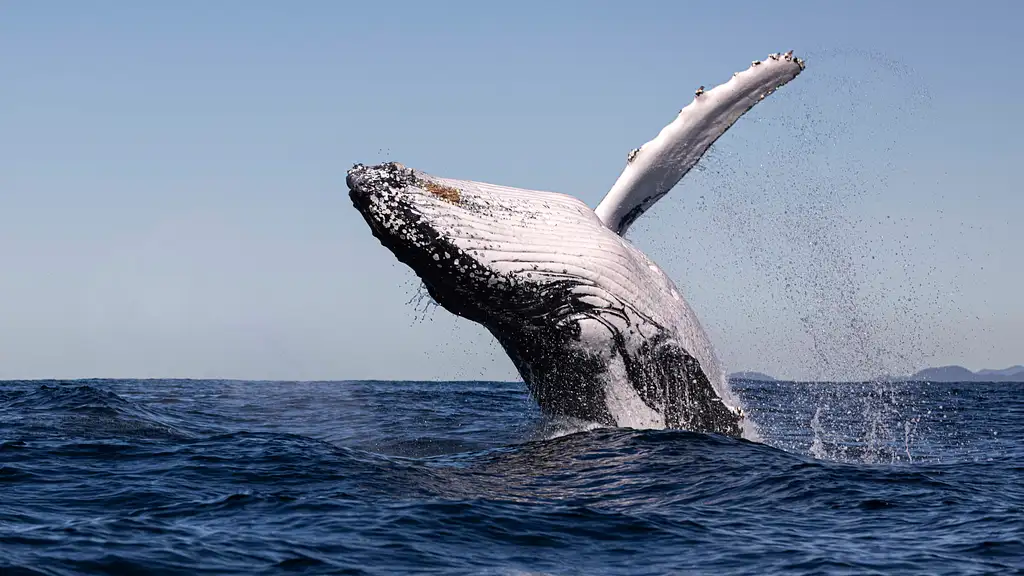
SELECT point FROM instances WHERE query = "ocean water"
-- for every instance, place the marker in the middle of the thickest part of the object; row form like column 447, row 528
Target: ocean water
column 228, row 477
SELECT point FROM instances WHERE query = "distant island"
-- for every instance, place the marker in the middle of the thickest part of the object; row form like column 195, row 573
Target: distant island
column 961, row 374
column 939, row 374
column 757, row 376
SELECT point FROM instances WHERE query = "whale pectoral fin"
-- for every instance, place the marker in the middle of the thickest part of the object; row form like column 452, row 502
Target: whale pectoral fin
column 657, row 166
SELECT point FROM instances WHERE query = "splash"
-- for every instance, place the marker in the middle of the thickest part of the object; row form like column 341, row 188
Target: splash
column 422, row 302
column 835, row 287
column 550, row 428
column 817, row 444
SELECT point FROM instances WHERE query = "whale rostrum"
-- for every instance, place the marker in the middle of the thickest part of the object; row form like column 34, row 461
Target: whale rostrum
column 595, row 328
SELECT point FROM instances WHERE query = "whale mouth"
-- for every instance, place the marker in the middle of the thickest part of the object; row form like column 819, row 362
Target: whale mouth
column 393, row 200
column 443, row 233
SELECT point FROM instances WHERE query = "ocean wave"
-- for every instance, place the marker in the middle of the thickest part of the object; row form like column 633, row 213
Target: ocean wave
column 369, row 479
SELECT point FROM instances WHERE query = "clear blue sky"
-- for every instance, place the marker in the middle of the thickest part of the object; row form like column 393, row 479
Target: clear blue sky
column 172, row 198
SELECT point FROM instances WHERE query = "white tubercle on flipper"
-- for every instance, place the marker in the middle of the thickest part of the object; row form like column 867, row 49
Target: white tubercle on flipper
column 657, row 166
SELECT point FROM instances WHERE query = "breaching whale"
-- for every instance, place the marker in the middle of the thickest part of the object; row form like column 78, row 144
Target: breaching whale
column 596, row 329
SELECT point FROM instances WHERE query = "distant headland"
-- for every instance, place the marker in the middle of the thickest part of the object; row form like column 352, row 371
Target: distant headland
column 961, row 374
column 938, row 374
column 756, row 376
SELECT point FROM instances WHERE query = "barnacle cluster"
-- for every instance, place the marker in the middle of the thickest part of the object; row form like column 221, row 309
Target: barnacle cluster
column 446, row 193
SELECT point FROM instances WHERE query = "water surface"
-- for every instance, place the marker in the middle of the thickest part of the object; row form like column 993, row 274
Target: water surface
column 190, row 477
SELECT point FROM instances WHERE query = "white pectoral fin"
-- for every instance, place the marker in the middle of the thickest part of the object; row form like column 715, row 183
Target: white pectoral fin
column 657, row 166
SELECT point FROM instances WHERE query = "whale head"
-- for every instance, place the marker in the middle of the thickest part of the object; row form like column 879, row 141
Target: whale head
column 493, row 254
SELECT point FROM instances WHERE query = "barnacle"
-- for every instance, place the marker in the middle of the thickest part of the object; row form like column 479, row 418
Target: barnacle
column 446, row 193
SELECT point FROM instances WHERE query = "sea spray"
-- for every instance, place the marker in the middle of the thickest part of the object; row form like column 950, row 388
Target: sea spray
column 832, row 289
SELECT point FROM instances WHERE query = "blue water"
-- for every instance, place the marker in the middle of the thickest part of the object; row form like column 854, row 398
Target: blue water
column 190, row 477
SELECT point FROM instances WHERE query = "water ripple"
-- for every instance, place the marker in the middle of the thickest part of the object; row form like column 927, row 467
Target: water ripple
column 467, row 478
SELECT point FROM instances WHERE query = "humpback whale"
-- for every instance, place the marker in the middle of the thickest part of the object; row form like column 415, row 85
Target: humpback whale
column 597, row 330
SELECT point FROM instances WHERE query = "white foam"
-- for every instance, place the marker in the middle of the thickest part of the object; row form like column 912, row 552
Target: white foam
column 625, row 404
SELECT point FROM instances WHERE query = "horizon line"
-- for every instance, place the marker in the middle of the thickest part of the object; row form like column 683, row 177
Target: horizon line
column 455, row 381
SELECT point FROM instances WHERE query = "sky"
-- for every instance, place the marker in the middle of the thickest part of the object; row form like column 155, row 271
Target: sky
column 173, row 203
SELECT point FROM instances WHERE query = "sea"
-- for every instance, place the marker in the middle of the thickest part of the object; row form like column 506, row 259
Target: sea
column 379, row 477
